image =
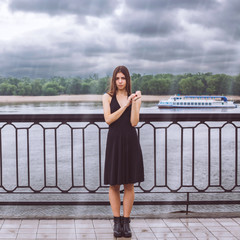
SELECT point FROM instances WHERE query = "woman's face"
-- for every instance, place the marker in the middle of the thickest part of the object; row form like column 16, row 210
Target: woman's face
column 121, row 81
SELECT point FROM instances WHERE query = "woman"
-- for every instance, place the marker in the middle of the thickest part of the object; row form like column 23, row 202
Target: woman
column 124, row 162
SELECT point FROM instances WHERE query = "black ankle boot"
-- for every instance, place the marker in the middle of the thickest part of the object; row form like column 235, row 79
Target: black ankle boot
column 126, row 227
column 117, row 229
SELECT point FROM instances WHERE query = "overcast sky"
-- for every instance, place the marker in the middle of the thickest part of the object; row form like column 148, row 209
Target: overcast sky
column 44, row 38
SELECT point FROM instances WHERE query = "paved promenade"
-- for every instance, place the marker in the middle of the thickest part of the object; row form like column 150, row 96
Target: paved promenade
column 144, row 229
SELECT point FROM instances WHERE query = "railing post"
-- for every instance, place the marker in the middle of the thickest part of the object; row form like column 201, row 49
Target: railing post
column 187, row 203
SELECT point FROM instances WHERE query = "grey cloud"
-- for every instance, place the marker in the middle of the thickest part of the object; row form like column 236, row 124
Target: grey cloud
column 61, row 7
column 31, row 61
column 146, row 24
column 93, row 45
column 160, row 38
column 156, row 17
column 178, row 56
column 225, row 18
column 40, row 66
column 181, row 67
column 163, row 5
column 164, row 50
column 66, row 57
column 148, row 37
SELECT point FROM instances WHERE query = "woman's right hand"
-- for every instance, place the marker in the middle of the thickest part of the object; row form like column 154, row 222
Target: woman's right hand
column 130, row 98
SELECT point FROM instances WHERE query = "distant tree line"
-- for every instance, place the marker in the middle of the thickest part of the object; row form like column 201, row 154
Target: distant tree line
column 159, row 84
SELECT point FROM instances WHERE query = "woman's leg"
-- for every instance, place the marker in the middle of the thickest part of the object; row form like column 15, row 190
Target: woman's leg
column 114, row 198
column 128, row 199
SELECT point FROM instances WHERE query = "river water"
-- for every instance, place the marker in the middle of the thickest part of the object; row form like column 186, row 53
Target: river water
column 201, row 157
column 92, row 107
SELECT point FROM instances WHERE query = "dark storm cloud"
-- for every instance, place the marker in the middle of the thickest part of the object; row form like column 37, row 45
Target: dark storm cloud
column 65, row 57
column 31, row 61
column 93, row 45
column 156, row 17
column 60, row 7
column 146, row 24
column 163, row 5
column 151, row 49
column 163, row 39
column 43, row 62
column 179, row 55
column 149, row 36
column 225, row 18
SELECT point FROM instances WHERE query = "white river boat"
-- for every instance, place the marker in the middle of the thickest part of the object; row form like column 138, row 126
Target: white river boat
column 178, row 101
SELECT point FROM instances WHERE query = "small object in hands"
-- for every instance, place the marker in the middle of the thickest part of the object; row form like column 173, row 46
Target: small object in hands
column 135, row 99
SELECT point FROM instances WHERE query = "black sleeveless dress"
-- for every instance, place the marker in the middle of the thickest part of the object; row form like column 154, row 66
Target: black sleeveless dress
column 123, row 159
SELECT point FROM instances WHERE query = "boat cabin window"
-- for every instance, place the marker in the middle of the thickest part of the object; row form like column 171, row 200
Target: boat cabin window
column 192, row 103
column 181, row 103
column 188, row 103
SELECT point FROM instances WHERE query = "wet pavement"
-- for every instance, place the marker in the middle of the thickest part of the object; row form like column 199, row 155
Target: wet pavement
column 164, row 228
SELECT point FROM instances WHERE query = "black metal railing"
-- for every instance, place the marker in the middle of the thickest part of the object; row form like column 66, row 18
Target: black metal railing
column 191, row 156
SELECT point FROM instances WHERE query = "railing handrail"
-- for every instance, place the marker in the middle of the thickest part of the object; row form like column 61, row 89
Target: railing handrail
column 98, row 117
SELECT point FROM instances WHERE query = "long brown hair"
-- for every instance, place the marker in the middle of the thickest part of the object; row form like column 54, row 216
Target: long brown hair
column 113, row 86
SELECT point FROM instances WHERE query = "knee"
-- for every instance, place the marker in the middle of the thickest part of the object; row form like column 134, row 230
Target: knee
column 114, row 188
column 128, row 187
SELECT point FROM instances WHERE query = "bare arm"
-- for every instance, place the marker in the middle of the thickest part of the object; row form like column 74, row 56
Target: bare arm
column 112, row 117
column 136, row 104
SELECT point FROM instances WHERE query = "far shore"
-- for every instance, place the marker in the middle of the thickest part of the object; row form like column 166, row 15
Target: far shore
column 81, row 98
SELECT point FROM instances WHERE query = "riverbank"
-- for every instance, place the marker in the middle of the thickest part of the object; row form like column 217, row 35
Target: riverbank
column 68, row 98
column 81, row 98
